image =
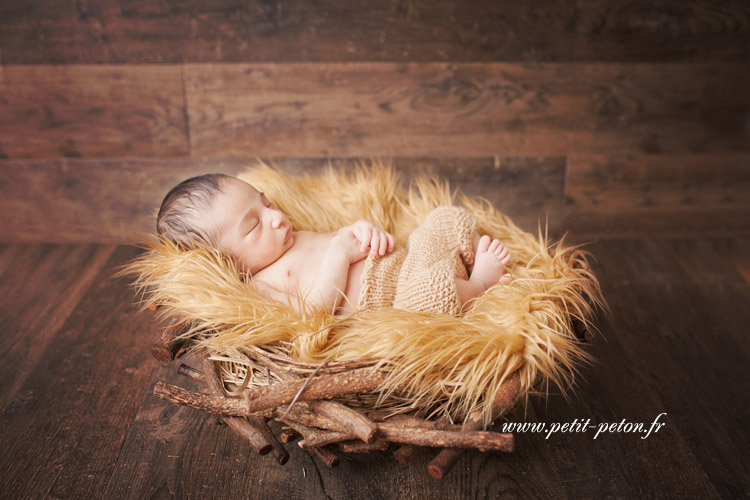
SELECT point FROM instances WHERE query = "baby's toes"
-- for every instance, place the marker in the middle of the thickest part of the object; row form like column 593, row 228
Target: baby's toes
column 484, row 244
column 494, row 246
column 503, row 254
column 505, row 257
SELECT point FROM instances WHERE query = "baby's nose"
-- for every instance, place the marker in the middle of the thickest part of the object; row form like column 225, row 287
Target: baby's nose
column 277, row 221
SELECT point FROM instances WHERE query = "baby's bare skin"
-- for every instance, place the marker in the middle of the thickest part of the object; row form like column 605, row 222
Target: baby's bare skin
column 323, row 268
column 319, row 269
column 290, row 275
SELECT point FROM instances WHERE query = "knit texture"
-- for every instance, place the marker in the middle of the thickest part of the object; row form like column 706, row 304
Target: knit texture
column 421, row 278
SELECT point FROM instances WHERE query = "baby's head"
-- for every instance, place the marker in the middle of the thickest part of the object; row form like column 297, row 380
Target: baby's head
column 229, row 214
column 184, row 214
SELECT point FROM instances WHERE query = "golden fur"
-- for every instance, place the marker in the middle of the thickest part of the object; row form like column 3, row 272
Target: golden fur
column 451, row 365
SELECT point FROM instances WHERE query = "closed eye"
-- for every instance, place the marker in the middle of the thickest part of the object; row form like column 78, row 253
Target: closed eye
column 253, row 224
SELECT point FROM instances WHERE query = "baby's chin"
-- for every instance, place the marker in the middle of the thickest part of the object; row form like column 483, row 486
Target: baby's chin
column 290, row 241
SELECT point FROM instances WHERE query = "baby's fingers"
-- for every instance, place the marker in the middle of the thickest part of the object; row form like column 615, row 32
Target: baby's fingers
column 364, row 235
column 383, row 243
column 389, row 243
column 375, row 242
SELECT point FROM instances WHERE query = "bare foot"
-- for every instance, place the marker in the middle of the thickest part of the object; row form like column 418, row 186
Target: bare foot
column 489, row 262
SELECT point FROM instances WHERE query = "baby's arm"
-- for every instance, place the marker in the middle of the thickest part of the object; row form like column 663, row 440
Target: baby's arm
column 349, row 245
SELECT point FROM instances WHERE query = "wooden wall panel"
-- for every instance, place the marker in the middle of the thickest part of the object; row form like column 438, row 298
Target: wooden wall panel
column 436, row 109
column 665, row 195
column 139, row 31
column 350, row 110
column 92, row 111
column 528, row 189
column 452, row 88
column 117, row 200
column 97, row 200
column 668, row 30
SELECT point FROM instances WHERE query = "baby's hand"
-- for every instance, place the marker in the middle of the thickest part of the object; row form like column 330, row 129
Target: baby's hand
column 369, row 235
column 355, row 240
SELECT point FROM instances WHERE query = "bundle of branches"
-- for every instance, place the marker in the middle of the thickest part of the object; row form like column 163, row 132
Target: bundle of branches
column 321, row 407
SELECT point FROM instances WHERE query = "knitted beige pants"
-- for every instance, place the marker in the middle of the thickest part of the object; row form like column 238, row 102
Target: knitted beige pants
column 422, row 276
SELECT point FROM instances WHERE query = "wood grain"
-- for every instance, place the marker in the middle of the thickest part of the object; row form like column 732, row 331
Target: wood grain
column 614, row 388
column 669, row 30
column 197, row 455
column 664, row 194
column 117, row 200
column 686, row 335
column 84, row 111
column 40, row 286
column 63, row 429
column 436, row 109
column 53, row 31
column 85, row 424
column 96, row 200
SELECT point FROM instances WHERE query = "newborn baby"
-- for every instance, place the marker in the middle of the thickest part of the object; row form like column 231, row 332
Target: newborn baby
column 445, row 264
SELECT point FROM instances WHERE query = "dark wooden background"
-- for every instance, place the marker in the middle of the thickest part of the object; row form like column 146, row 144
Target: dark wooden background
column 617, row 118
column 625, row 123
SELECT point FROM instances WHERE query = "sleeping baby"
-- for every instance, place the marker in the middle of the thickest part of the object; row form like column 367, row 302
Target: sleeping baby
column 444, row 265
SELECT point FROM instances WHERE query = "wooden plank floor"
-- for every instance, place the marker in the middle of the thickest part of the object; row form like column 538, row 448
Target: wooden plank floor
column 78, row 419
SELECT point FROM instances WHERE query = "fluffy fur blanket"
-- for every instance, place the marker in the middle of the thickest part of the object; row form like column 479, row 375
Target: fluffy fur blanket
column 451, row 365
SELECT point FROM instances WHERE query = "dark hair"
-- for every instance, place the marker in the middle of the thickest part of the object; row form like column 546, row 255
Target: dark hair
column 182, row 214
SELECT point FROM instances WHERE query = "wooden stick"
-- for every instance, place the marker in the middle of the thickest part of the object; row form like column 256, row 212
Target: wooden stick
column 248, row 430
column 260, row 424
column 325, row 455
column 350, row 420
column 322, row 387
column 357, row 446
column 321, row 437
column 346, row 419
column 313, row 437
column 505, row 399
column 481, row 440
column 305, row 415
column 258, row 399
column 288, row 435
column 318, row 414
column 420, row 423
column 191, row 373
column 218, row 406
column 406, row 453
column 168, row 345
